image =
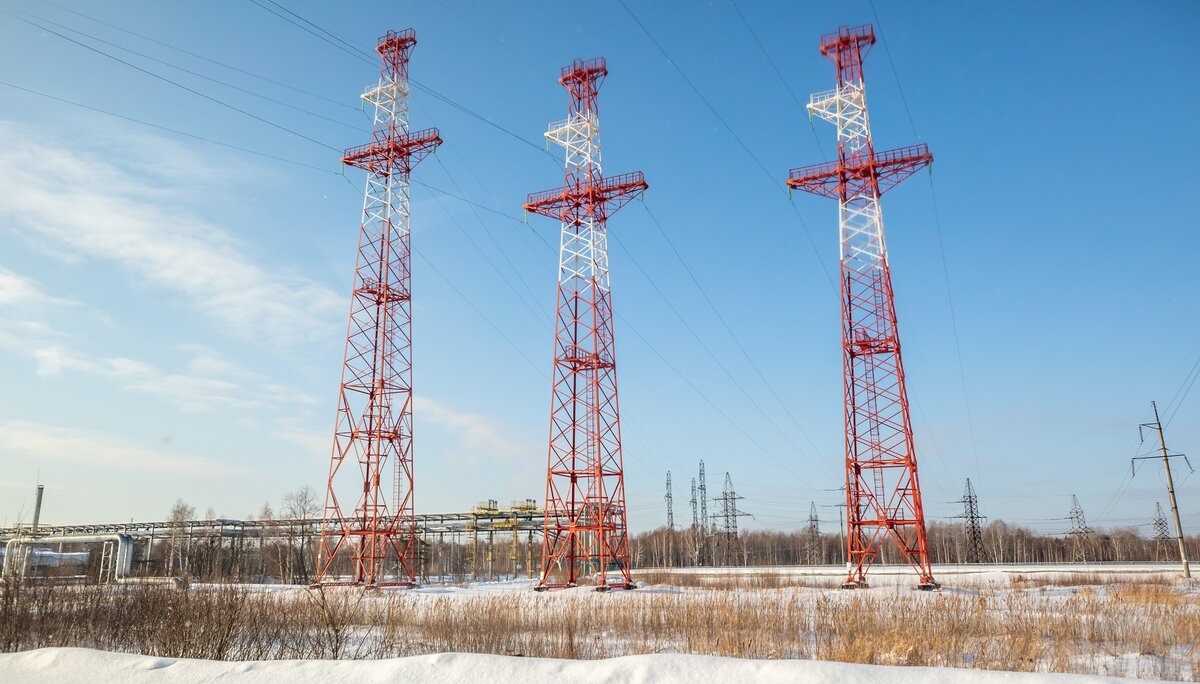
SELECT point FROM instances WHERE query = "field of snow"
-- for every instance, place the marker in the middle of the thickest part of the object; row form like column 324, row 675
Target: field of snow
column 81, row 666
column 771, row 624
column 948, row 575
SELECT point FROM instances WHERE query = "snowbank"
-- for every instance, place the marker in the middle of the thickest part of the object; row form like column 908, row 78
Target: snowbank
column 83, row 666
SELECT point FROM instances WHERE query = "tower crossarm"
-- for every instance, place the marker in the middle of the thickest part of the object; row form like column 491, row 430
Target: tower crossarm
column 874, row 173
column 606, row 196
column 389, row 152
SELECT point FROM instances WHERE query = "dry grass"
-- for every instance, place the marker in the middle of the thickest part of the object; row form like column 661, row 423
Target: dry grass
column 1073, row 630
column 736, row 581
column 1082, row 579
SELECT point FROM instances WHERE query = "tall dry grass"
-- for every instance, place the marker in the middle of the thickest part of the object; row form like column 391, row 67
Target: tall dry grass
column 1075, row 629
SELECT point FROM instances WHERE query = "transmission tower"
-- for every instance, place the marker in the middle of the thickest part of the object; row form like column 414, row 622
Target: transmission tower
column 812, row 535
column 703, row 500
column 670, row 504
column 586, row 526
column 374, row 417
column 1162, row 533
column 728, row 534
column 972, row 525
column 1080, row 532
column 883, row 497
column 695, row 511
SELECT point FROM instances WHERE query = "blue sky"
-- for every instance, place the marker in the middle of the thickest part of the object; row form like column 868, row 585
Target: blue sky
column 172, row 311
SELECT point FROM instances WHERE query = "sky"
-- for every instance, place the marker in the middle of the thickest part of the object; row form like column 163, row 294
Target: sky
column 174, row 280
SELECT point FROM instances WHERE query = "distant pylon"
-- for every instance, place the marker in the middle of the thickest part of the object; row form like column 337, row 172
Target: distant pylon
column 1162, row 532
column 695, row 510
column 670, row 504
column 812, row 537
column 1080, row 532
column 728, row 530
column 374, row 416
column 586, row 529
column 703, row 499
column 883, row 496
column 972, row 525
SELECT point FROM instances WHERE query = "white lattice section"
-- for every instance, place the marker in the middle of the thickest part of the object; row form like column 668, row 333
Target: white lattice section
column 862, row 243
column 583, row 250
column 386, row 211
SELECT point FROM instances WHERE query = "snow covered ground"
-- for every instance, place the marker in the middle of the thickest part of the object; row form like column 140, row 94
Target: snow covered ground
column 793, row 614
column 946, row 574
column 82, row 666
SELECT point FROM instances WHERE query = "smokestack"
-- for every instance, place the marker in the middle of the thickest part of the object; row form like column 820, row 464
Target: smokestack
column 37, row 509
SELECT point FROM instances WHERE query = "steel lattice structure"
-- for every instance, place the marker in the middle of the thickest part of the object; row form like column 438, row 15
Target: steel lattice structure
column 1162, row 533
column 883, row 497
column 973, row 525
column 1080, row 532
column 586, row 526
column 812, row 537
column 695, row 511
column 374, row 417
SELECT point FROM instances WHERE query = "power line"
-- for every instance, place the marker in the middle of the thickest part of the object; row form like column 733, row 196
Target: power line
column 732, row 132
column 174, row 83
column 937, row 218
column 729, row 330
column 778, row 72
column 713, row 356
column 883, row 41
column 197, row 74
column 348, row 48
column 199, row 56
column 168, row 129
column 962, row 373
column 1185, row 388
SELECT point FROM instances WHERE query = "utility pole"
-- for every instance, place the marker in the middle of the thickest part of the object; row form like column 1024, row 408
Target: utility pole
column 841, row 526
column 1166, row 459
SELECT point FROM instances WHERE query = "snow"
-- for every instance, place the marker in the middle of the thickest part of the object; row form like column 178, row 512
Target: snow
column 69, row 665
column 84, row 666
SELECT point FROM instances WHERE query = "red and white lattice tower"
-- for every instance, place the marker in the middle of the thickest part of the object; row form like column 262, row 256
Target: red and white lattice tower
column 883, row 497
column 585, row 530
column 373, row 429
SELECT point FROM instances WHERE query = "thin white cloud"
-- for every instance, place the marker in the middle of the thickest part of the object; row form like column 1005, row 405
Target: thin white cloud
column 19, row 290
column 39, row 442
column 80, row 202
column 309, row 441
column 480, row 439
column 211, row 382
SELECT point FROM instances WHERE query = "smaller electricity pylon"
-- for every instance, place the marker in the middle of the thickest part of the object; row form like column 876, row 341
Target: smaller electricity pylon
column 972, row 525
column 1080, row 533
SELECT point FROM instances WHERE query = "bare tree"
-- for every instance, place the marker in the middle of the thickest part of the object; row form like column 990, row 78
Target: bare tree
column 180, row 542
column 302, row 507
